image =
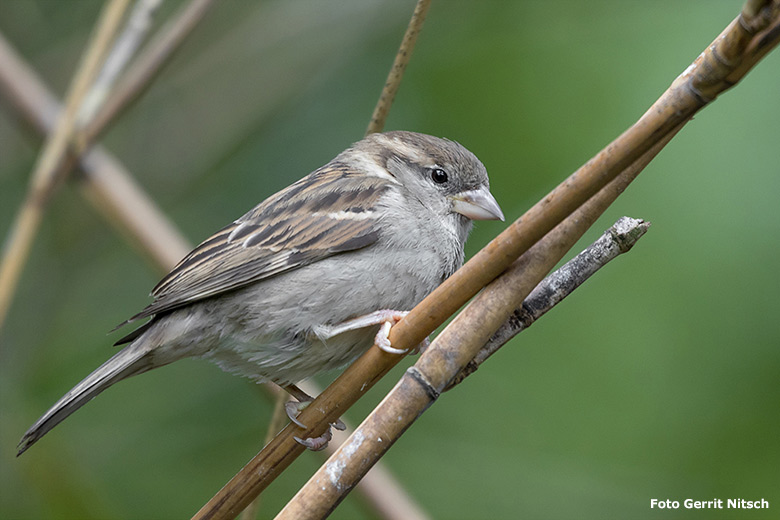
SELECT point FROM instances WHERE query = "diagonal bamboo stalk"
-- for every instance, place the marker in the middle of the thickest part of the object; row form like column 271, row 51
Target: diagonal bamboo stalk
column 61, row 157
column 402, row 57
column 45, row 173
column 105, row 181
column 110, row 188
column 380, row 488
column 139, row 21
column 145, row 68
column 617, row 240
column 418, row 388
column 277, row 422
column 675, row 107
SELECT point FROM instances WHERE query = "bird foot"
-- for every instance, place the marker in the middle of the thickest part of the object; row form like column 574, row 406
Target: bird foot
column 388, row 318
column 382, row 340
column 293, row 410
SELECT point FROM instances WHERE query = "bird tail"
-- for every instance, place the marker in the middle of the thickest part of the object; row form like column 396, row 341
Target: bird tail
column 132, row 360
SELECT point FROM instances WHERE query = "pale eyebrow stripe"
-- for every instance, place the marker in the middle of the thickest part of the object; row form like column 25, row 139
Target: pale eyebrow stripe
column 372, row 169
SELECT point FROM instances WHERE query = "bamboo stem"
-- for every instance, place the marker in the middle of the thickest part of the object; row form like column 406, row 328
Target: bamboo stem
column 458, row 350
column 45, row 173
column 278, row 419
column 106, row 183
column 536, row 305
column 379, row 489
column 422, row 384
column 144, row 69
column 108, row 195
column 139, row 20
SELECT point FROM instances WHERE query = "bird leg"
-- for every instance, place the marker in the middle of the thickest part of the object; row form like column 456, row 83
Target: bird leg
column 386, row 318
column 293, row 409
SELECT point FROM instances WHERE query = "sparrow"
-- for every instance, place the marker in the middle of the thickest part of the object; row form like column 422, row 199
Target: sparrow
column 311, row 277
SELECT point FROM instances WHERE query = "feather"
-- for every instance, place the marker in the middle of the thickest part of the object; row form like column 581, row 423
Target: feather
column 293, row 228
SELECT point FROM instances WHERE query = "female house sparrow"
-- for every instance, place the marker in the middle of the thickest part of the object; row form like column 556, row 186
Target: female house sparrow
column 300, row 284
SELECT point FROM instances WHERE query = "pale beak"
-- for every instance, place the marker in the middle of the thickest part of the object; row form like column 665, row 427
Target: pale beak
column 477, row 205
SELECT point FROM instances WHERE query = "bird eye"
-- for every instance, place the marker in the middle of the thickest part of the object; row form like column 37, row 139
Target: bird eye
column 438, row 175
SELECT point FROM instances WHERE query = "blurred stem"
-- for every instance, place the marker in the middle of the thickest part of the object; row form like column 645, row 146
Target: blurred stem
column 144, row 69
column 402, row 57
column 66, row 144
column 45, row 174
column 105, row 182
column 138, row 23
column 278, row 419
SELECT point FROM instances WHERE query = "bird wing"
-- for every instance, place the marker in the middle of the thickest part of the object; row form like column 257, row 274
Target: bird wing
column 328, row 212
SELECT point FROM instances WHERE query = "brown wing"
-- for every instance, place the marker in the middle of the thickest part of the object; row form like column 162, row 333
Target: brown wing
column 328, row 212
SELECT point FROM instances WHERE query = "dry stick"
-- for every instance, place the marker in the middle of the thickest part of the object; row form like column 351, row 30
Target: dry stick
column 114, row 192
column 111, row 189
column 106, row 183
column 379, row 117
column 379, row 488
column 449, row 354
column 277, row 422
column 675, row 107
column 423, row 383
column 557, row 286
column 44, row 176
column 139, row 21
column 141, row 73
column 617, row 240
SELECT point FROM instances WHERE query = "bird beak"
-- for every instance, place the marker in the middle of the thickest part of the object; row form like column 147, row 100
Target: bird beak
column 477, row 205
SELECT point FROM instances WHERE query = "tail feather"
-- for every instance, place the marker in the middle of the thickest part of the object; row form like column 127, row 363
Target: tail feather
column 130, row 361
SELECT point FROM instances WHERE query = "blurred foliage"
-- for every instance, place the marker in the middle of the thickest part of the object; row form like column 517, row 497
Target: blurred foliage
column 657, row 379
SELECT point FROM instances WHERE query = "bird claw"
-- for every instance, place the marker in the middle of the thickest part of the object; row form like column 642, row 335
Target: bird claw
column 382, row 340
column 422, row 347
column 315, row 443
column 293, row 409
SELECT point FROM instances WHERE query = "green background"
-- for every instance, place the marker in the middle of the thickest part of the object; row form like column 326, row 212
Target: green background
column 660, row 378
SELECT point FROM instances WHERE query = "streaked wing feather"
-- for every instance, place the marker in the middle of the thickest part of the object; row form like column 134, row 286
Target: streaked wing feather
column 328, row 212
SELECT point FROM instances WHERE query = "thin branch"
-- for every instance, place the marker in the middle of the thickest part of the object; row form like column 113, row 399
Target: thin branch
column 145, row 68
column 379, row 117
column 618, row 239
column 380, row 489
column 138, row 23
column 44, row 176
column 106, row 182
column 422, row 384
column 277, row 422
column 108, row 194
column 675, row 107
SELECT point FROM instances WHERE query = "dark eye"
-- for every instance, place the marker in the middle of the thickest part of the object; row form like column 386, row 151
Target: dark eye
column 438, row 175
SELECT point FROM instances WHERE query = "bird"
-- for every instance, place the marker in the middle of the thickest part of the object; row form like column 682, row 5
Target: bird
column 311, row 277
